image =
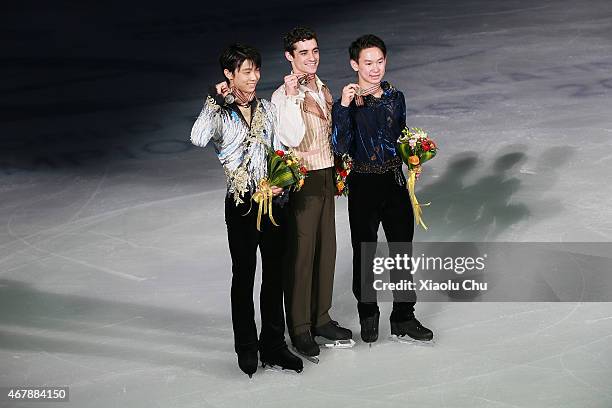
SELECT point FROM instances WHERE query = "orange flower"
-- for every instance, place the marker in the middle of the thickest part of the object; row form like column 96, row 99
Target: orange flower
column 340, row 186
column 414, row 160
column 301, row 183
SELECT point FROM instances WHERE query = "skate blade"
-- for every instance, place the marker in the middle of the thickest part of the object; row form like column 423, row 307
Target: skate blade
column 336, row 344
column 279, row 369
column 314, row 360
column 409, row 340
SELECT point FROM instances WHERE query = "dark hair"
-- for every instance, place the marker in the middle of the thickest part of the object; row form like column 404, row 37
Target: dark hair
column 297, row 34
column 234, row 56
column 363, row 42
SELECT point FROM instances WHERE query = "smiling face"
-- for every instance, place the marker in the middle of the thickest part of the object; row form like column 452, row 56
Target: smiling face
column 244, row 78
column 305, row 57
column 371, row 66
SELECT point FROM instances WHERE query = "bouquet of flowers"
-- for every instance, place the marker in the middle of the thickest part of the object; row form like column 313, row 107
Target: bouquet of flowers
column 284, row 170
column 343, row 165
column 415, row 148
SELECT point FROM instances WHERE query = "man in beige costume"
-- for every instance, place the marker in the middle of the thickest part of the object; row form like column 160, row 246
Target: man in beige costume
column 304, row 107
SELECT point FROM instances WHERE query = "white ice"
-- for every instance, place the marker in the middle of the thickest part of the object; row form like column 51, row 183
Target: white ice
column 114, row 267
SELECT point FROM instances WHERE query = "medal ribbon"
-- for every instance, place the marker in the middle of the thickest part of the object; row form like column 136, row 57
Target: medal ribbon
column 364, row 92
column 243, row 99
column 304, row 79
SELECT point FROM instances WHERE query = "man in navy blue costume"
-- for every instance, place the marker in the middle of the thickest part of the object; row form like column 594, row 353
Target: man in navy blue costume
column 367, row 121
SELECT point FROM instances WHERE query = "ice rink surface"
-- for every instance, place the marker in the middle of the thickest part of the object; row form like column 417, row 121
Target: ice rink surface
column 114, row 267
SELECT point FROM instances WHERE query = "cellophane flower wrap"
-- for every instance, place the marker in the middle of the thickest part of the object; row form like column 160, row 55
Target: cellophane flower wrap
column 284, row 170
column 343, row 165
column 415, row 148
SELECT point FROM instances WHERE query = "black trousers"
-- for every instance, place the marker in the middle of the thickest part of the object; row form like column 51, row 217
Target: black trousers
column 374, row 199
column 244, row 239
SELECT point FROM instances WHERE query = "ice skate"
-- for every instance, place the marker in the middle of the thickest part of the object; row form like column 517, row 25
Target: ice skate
column 247, row 361
column 411, row 331
column 332, row 335
column 305, row 345
column 282, row 358
column 369, row 328
column 405, row 339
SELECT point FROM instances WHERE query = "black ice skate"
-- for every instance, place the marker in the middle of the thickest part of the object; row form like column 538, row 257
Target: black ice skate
column 369, row 328
column 282, row 358
column 410, row 331
column 331, row 335
column 305, row 345
column 247, row 361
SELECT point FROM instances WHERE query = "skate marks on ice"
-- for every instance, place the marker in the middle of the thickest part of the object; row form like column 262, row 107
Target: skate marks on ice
column 81, row 328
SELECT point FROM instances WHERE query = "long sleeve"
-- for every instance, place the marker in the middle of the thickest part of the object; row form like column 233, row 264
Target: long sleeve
column 342, row 129
column 402, row 107
column 273, row 140
column 291, row 128
column 272, row 126
column 207, row 124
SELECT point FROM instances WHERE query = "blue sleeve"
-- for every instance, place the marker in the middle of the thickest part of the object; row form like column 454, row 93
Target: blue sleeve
column 342, row 128
column 402, row 108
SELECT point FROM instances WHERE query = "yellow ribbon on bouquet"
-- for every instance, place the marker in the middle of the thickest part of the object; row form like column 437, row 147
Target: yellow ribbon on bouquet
column 263, row 197
column 416, row 207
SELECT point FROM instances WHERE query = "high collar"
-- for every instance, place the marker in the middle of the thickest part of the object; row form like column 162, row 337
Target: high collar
column 253, row 104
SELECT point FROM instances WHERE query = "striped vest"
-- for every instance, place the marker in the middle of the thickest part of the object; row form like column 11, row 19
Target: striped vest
column 315, row 150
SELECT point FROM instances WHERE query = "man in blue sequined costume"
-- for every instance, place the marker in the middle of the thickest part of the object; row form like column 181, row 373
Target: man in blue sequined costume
column 367, row 121
column 241, row 125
